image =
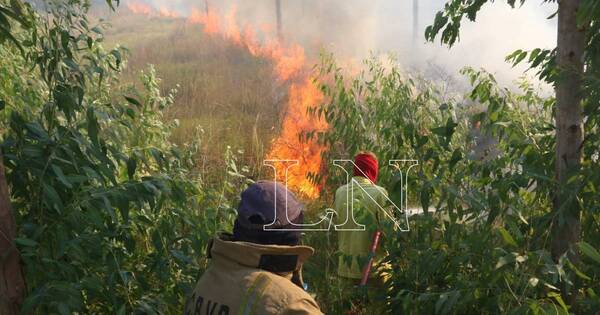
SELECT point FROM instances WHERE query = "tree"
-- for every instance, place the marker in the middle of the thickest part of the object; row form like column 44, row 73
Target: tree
column 564, row 67
column 89, row 168
column 12, row 280
column 278, row 16
column 569, row 127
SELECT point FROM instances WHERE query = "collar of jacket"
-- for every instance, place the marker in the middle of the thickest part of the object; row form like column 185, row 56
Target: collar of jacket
column 274, row 258
column 362, row 180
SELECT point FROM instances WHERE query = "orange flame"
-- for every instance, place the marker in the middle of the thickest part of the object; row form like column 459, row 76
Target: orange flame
column 210, row 21
column 166, row 12
column 290, row 65
column 141, row 8
column 302, row 95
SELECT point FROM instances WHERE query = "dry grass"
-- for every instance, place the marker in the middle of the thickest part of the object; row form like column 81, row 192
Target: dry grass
column 222, row 89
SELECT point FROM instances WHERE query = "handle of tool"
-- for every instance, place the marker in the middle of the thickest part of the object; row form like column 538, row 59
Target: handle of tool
column 367, row 268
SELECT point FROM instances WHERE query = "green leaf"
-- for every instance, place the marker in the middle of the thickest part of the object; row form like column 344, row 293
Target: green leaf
column 133, row 101
column 157, row 241
column 508, row 239
column 589, row 251
column 558, row 298
column 61, row 176
column 52, row 198
column 63, row 309
column 25, row 242
column 6, row 33
column 181, row 256
column 65, row 100
column 131, row 166
column 92, row 126
column 37, row 132
column 130, row 112
column 456, row 157
column 578, row 272
column 520, row 58
column 31, row 302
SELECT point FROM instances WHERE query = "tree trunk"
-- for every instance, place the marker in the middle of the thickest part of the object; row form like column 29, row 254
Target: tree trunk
column 279, row 21
column 569, row 130
column 415, row 21
column 12, row 283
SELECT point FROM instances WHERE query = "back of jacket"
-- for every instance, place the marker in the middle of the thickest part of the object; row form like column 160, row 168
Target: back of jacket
column 354, row 245
column 238, row 281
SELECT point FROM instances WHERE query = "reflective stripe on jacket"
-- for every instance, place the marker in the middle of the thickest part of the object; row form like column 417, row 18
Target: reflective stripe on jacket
column 247, row 278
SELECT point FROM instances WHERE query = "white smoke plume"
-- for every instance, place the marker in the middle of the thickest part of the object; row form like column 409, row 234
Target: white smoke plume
column 352, row 29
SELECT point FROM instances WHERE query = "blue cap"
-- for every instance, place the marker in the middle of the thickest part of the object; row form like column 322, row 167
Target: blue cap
column 261, row 200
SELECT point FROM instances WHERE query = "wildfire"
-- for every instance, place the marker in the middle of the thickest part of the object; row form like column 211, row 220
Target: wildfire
column 141, row 8
column 166, row 12
column 210, row 21
column 302, row 95
column 290, row 66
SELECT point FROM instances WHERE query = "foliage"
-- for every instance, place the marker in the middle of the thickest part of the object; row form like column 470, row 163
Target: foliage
column 573, row 195
column 108, row 209
column 489, row 176
column 114, row 218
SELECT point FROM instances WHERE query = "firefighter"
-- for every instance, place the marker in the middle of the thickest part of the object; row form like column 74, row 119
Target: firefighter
column 354, row 243
column 253, row 270
column 357, row 245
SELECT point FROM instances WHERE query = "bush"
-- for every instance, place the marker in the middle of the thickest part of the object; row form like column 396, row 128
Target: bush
column 486, row 167
column 112, row 217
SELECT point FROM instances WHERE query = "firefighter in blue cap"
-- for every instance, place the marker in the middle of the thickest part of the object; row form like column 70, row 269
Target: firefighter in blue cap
column 257, row 270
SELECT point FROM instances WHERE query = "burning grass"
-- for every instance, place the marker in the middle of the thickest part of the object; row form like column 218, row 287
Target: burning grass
column 224, row 69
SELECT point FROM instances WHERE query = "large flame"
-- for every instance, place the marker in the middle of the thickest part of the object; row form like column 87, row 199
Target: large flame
column 209, row 20
column 302, row 95
column 290, row 67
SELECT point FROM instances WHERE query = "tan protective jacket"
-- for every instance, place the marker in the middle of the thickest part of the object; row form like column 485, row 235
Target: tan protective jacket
column 247, row 278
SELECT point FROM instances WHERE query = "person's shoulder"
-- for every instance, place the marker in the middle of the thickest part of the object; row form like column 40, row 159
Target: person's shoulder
column 342, row 189
column 285, row 296
column 282, row 288
column 381, row 189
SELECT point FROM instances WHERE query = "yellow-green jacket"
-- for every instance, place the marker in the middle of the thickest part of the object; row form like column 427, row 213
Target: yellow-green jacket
column 354, row 246
column 238, row 280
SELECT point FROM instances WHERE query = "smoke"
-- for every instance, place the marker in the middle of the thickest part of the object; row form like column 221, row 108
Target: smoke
column 498, row 31
column 353, row 29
